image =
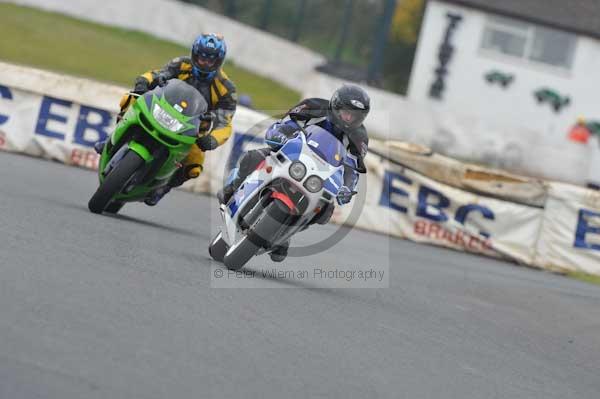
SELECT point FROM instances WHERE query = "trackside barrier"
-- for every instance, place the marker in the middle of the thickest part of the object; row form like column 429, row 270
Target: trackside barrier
column 474, row 178
column 409, row 192
column 458, row 133
column 570, row 234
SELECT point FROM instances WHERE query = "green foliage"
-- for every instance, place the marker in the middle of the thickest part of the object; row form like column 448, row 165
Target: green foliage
column 407, row 21
column 63, row 44
column 589, row 278
column 321, row 27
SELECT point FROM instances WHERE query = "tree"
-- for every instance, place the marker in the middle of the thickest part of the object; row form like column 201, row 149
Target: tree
column 407, row 21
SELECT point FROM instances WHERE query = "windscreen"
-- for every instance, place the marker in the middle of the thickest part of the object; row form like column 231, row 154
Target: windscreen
column 184, row 96
column 325, row 145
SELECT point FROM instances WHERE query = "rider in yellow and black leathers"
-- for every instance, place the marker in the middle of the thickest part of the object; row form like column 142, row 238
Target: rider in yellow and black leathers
column 203, row 71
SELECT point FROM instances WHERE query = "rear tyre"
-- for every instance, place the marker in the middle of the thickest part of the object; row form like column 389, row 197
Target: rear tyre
column 218, row 248
column 116, row 181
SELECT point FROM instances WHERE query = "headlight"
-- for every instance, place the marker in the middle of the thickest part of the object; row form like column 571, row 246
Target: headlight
column 165, row 119
column 298, row 170
column 314, row 184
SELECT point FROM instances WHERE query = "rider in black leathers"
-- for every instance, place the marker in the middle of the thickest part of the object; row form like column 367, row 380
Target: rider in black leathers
column 343, row 117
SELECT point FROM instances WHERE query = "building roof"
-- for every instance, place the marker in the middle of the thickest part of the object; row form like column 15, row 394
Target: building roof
column 578, row 16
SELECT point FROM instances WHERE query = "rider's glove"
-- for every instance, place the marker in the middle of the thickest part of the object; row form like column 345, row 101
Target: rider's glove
column 344, row 195
column 141, row 87
column 276, row 140
column 161, row 80
column 207, row 143
column 287, row 129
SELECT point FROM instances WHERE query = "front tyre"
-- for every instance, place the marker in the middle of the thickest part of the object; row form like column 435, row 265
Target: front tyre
column 218, row 248
column 116, row 181
column 238, row 255
column 114, row 207
column 259, row 236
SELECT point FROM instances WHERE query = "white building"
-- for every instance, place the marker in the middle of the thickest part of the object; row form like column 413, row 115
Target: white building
column 541, row 44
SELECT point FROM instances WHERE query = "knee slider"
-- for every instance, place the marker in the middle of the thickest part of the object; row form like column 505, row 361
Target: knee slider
column 192, row 171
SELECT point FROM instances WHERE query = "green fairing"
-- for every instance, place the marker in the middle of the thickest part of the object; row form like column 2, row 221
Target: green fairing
column 177, row 145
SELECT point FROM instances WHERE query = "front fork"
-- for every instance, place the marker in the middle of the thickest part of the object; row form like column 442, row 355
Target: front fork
column 115, row 160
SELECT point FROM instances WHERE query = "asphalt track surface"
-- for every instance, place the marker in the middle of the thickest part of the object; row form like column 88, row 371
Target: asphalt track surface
column 125, row 307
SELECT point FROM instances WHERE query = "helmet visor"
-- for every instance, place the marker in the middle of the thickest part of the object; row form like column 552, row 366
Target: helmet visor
column 350, row 117
column 205, row 61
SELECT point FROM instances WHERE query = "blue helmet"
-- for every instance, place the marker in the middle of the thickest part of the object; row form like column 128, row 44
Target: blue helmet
column 208, row 54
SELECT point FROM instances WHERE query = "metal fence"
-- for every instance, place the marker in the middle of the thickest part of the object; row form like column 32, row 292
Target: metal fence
column 352, row 34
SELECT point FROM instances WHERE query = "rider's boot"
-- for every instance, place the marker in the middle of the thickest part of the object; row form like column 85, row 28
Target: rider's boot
column 225, row 194
column 157, row 195
column 178, row 178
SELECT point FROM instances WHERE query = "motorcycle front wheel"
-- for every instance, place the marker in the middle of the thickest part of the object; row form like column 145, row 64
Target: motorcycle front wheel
column 115, row 182
column 259, row 235
column 218, row 248
column 238, row 255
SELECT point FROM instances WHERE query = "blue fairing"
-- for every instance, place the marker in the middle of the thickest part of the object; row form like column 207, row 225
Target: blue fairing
column 325, row 145
column 233, row 207
column 292, row 149
column 334, row 182
column 242, row 193
column 329, row 186
column 338, row 178
column 232, row 175
column 351, row 161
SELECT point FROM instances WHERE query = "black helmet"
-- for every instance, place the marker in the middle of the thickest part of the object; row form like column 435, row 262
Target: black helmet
column 349, row 107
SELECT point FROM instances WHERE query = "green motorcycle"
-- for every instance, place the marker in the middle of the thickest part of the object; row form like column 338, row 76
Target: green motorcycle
column 148, row 145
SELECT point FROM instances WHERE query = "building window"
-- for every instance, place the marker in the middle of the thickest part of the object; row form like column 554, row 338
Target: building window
column 528, row 41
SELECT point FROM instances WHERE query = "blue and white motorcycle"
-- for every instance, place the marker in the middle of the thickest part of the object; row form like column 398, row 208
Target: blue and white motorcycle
column 286, row 191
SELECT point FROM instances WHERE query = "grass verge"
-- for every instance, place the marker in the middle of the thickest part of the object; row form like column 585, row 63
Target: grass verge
column 68, row 45
column 589, row 278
